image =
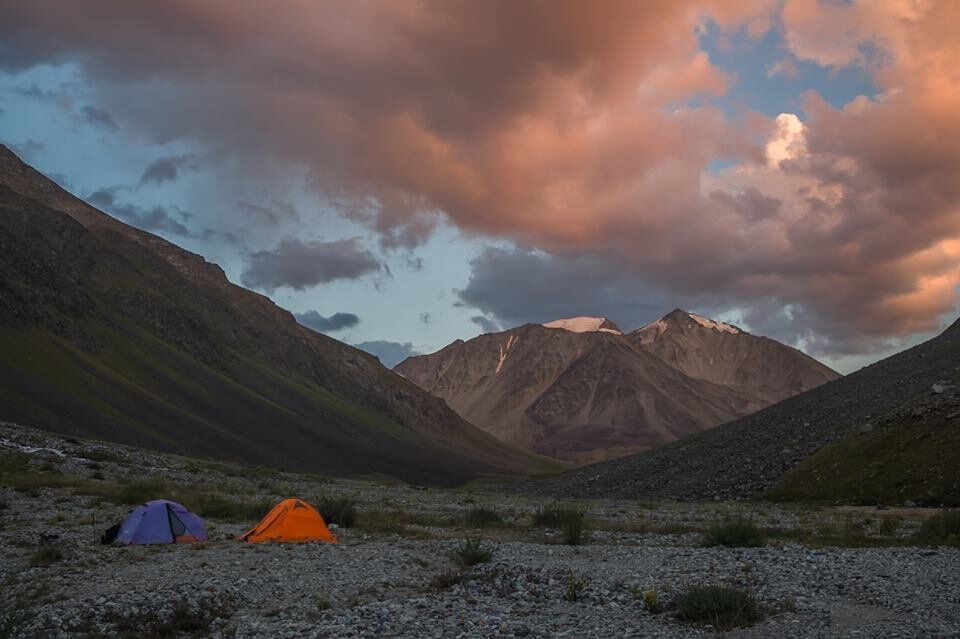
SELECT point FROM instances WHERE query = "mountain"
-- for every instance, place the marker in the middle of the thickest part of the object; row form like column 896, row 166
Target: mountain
column 575, row 389
column 764, row 369
column 889, row 433
column 111, row 332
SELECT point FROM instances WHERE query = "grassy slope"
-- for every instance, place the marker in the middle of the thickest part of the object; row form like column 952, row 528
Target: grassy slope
column 916, row 462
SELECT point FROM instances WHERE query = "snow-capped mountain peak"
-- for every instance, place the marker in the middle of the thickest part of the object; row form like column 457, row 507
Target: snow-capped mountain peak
column 585, row 325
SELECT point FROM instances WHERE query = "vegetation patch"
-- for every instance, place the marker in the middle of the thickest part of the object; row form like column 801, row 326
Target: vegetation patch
column 576, row 587
column 735, row 533
column 571, row 521
column 908, row 462
column 341, row 511
column 722, row 607
column 472, row 551
column 481, row 517
column 383, row 521
column 943, row 529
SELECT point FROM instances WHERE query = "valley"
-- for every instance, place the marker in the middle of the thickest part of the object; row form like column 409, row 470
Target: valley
column 823, row 571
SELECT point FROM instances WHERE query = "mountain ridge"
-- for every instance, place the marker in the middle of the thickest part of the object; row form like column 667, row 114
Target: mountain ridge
column 579, row 390
column 110, row 331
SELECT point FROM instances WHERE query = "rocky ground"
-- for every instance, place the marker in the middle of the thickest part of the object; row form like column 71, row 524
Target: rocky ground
column 826, row 572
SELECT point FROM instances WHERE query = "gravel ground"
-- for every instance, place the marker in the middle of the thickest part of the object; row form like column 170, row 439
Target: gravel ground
column 376, row 584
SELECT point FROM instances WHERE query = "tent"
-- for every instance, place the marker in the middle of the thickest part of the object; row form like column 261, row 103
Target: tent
column 158, row 522
column 291, row 520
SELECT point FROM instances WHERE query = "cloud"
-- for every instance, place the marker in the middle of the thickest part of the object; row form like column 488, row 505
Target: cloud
column 319, row 323
column 155, row 218
column 584, row 135
column 299, row 264
column 486, row 325
column 389, row 353
column 168, row 169
column 275, row 213
column 513, row 286
column 97, row 117
column 425, row 318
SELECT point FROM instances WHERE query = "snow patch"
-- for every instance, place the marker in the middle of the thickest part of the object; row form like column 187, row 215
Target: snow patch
column 511, row 340
column 709, row 323
column 583, row 325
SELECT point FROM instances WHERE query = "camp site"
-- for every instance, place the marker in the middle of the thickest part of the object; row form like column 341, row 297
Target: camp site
column 239, row 551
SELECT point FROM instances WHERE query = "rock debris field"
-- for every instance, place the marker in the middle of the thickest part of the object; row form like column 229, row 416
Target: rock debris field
column 824, row 572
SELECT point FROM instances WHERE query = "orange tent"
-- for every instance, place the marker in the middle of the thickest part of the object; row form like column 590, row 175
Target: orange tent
column 289, row 521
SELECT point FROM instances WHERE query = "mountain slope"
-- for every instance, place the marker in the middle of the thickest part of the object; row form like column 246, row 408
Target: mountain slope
column 572, row 389
column 888, row 432
column 721, row 353
column 112, row 332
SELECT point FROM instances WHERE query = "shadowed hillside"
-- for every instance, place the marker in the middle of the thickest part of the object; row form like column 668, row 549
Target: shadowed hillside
column 112, row 332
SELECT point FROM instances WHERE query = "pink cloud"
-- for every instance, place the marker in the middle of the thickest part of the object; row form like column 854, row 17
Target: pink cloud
column 573, row 128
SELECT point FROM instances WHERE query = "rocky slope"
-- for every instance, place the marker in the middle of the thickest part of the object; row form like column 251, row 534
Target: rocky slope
column 896, row 425
column 580, row 390
column 765, row 369
column 112, row 332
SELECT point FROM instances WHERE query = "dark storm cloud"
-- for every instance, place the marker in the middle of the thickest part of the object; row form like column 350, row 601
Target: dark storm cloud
column 321, row 324
column 389, row 353
column 486, row 325
column 155, row 218
column 513, row 286
column 299, row 264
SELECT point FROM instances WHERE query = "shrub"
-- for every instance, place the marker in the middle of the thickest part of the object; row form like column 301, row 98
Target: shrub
column 651, row 602
column 571, row 524
column 570, row 519
column 481, row 517
column 576, row 586
column 45, row 555
column 738, row 533
column 723, row 607
column 549, row 516
column 472, row 552
column 340, row 511
column 943, row 529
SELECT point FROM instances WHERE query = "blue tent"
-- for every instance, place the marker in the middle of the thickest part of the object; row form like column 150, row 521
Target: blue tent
column 160, row 522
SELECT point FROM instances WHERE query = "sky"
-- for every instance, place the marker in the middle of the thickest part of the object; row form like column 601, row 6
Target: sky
column 403, row 173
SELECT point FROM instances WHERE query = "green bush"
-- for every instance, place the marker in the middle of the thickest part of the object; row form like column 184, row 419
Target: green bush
column 723, row 607
column 481, row 517
column 569, row 519
column 943, row 529
column 738, row 533
column 572, row 525
column 340, row 511
column 549, row 516
column 471, row 552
